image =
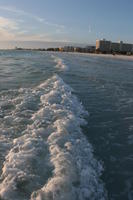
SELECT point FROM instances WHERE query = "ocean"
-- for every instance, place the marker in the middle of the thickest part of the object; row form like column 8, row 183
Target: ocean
column 66, row 126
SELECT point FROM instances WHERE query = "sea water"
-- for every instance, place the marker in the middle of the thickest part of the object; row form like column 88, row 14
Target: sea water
column 66, row 127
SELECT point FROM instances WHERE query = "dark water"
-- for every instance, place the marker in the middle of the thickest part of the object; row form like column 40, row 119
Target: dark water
column 105, row 88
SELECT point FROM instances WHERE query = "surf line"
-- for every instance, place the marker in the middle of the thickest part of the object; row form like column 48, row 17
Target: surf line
column 60, row 63
column 53, row 159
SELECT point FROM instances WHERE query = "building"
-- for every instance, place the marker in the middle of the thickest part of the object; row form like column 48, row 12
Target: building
column 132, row 49
column 68, row 49
column 87, row 49
column 90, row 49
column 115, row 47
column 61, row 49
column 78, row 49
column 126, row 48
column 104, row 46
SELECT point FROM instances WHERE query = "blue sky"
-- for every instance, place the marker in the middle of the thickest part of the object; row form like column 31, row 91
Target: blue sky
column 79, row 21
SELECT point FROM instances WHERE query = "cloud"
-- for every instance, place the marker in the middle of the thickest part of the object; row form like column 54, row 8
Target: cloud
column 32, row 37
column 22, row 32
column 7, row 28
column 10, row 30
column 9, row 24
column 35, row 17
column 54, row 24
column 6, row 35
column 20, row 12
column 59, row 31
column 18, row 29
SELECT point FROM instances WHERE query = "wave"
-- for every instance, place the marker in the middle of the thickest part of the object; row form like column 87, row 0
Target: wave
column 51, row 159
column 60, row 63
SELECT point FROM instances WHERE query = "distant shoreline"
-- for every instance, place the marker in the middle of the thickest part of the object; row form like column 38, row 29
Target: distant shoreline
column 116, row 56
column 122, row 57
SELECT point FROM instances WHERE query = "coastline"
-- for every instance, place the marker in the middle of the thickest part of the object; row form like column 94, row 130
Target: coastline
column 116, row 56
column 121, row 57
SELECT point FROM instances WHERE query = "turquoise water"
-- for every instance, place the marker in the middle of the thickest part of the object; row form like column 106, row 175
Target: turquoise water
column 66, row 125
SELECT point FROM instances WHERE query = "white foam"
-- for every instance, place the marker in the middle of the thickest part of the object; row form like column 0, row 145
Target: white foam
column 60, row 63
column 53, row 159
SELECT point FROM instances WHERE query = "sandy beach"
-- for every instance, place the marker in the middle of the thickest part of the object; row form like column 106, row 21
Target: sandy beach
column 120, row 57
column 123, row 57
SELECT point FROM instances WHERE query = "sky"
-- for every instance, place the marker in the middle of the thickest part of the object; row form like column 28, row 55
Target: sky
column 72, row 21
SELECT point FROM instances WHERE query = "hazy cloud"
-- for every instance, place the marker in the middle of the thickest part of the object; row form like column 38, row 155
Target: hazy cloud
column 20, row 12
column 6, row 35
column 35, row 17
column 9, row 24
column 18, row 29
column 7, row 28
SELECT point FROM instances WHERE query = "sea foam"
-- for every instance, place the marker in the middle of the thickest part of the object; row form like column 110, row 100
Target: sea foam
column 60, row 63
column 52, row 158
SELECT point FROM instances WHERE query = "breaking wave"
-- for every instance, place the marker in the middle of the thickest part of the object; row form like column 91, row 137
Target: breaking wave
column 60, row 63
column 51, row 158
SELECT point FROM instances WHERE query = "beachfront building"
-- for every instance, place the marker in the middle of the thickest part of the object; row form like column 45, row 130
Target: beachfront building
column 90, row 49
column 78, row 49
column 115, row 47
column 126, row 48
column 87, row 49
column 132, row 49
column 61, row 49
column 104, row 46
column 68, row 48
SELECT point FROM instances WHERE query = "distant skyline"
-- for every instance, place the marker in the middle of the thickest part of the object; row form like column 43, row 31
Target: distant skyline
column 67, row 21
